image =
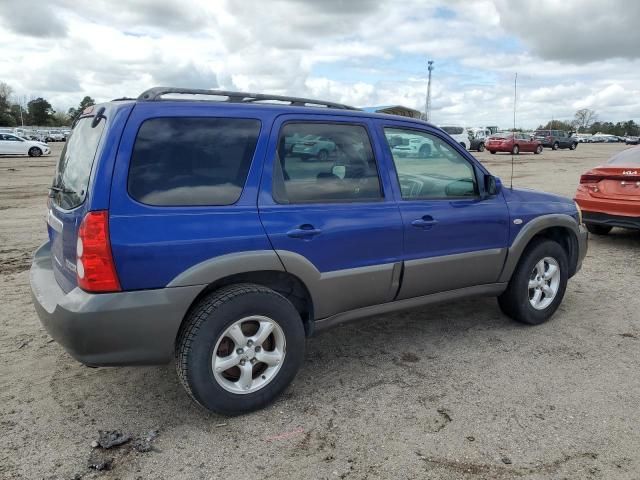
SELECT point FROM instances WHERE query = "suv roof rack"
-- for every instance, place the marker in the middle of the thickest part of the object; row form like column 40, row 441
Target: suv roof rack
column 156, row 93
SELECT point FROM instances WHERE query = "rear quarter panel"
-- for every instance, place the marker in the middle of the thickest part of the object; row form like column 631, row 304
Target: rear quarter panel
column 152, row 245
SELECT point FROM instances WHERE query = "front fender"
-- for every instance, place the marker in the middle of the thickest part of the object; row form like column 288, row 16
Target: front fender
column 538, row 225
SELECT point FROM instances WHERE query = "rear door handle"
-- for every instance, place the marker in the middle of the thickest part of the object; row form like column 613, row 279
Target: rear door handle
column 305, row 231
column 425, row 222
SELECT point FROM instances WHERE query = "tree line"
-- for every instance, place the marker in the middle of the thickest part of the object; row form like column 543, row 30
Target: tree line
column 586, row 121
column 38, row 111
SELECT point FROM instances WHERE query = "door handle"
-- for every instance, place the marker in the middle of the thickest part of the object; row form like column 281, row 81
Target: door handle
column 425, row 222
column 305, row 231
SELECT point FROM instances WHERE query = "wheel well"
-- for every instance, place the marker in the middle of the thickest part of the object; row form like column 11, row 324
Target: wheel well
column 567, row 240
column 286, row 284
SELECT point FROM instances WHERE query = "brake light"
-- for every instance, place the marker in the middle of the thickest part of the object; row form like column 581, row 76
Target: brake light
column 95, row 268
column 590, row 178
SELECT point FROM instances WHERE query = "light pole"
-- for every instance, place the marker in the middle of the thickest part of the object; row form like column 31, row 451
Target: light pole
column 427, row 104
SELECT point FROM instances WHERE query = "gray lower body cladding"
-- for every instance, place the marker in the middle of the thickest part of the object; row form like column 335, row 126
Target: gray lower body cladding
column 124, row 328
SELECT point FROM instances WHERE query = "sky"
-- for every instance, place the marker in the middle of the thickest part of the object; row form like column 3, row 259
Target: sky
column 568, row 54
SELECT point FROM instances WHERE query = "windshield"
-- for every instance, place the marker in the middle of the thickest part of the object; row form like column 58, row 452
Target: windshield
column 502, row 135
column 453, row 130
column 626, row 157
column 71, row 179
column 542, row 133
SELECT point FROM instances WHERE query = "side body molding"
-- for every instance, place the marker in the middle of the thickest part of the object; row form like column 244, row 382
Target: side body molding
column 216, row 268
column 534, row 227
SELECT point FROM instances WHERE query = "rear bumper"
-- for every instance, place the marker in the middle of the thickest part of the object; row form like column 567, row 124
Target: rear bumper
column 124, row 328
column 607, row 219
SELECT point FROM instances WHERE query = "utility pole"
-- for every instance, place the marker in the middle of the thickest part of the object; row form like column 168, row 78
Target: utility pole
column 427, row 104
column 21, row 117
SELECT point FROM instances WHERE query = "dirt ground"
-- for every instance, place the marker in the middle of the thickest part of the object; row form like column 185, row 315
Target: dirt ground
column 450, row 391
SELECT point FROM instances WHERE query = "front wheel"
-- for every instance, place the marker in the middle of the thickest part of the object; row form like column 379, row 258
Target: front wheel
column 556, row 146
column 239, row 348
column 492, row 152
column 598, row 229
column 538, row 284
column 538, row 150
column 481, row 147
column 515, row 150
column 573, row 146
column 35, row 152
column 323, row 155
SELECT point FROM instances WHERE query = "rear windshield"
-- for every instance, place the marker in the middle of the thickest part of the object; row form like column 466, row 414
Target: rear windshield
column 630, row 156
column 453, row 130
column 71, row 179
column 502, row 135
column 542, row 133
column 192, row 161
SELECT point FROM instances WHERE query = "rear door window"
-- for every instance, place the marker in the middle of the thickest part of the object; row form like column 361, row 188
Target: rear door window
column 71, row 178
column 192, row 161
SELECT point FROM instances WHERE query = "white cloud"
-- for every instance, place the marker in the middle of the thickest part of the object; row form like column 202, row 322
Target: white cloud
column 360, row 52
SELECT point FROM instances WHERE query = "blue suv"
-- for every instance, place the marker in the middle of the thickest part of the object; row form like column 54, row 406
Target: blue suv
column 183, row 225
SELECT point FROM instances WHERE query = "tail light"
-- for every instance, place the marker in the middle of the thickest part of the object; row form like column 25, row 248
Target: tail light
column 587, row 178
column 95, row 268
column 591, row 178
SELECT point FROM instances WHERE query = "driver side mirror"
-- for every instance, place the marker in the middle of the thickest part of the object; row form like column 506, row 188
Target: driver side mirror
column 492, row 185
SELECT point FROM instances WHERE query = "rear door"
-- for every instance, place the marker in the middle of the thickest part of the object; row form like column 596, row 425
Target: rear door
column 453, row 236
column 333, row 221
column 69, row 191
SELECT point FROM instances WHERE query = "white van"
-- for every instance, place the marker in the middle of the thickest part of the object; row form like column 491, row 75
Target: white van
column 458, row 133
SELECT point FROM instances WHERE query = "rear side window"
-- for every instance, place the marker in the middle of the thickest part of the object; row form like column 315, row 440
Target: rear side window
column 322, row 162
column 192, row 161
column 71, row 179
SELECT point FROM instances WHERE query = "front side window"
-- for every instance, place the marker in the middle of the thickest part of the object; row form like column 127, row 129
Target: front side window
column 192, row 161
column 323, row 162
column 428, row 167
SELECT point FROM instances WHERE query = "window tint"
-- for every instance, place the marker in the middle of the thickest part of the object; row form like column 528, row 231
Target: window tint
column 428, row 167
column 192, row 161
column 74, row 167
column 319, row 162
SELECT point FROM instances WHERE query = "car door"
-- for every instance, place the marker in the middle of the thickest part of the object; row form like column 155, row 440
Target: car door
column 455, row 236
column 14, row 145
column 526, row 142
column 333, row 222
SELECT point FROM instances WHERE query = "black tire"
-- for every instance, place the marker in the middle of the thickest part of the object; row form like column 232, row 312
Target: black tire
column 481, row 147
column 515, row 150
column 35, row 152
column 322, row 156
column 463, row 145
column 514, row 302
column 539, row 150
column 598, row 229
column 207, row 322
column 573, row 146
column 555, row 146
column 492, row 152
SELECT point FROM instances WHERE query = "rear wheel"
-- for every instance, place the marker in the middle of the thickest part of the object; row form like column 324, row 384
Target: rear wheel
column 555, row 146
column 598, row 229
column 481, row 147
column 35, row 152
column 573, row 146
column 239, row 349
column 492, row 152
column 515, row 150
column 538, row 150
column 538, row 283
column 323, row 155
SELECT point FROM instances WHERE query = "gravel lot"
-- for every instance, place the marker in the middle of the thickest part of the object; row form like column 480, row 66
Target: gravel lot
column 450, row 391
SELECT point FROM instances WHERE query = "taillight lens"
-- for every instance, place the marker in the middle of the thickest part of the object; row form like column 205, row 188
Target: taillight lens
column 587, row 178
column 95, row 268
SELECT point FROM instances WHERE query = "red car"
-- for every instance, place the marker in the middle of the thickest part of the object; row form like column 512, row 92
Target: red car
column 609, row 195
column 513, row 143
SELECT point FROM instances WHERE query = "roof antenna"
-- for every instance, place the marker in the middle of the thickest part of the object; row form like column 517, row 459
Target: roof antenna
column 515, row 99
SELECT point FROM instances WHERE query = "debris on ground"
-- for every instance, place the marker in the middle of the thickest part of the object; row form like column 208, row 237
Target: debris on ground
column 471, row 439
column 101, row 464
column 628, row 335
column 109, row 439
column 144, row 445
column 506, row 460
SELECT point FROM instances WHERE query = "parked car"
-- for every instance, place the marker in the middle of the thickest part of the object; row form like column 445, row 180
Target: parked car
column 478, row 138
column 632, row 140
column 227, row 259
column 410, row 146
column 556, row 139
column 513, row 143
column 13, row 145
column 458, row 133
column 55, row 136
column 609, row 195
column 314, row 146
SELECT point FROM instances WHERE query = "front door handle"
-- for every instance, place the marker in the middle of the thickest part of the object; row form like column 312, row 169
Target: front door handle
column 426, row 222
column 305, row 231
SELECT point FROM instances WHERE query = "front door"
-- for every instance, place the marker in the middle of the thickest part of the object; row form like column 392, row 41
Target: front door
column 454, row 236
column 329, row 213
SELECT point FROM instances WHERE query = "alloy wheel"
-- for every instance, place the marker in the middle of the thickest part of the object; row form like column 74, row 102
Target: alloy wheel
column 544, row 282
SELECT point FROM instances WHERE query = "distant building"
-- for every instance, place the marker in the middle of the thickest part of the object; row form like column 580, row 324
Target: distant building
column 394, row 110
